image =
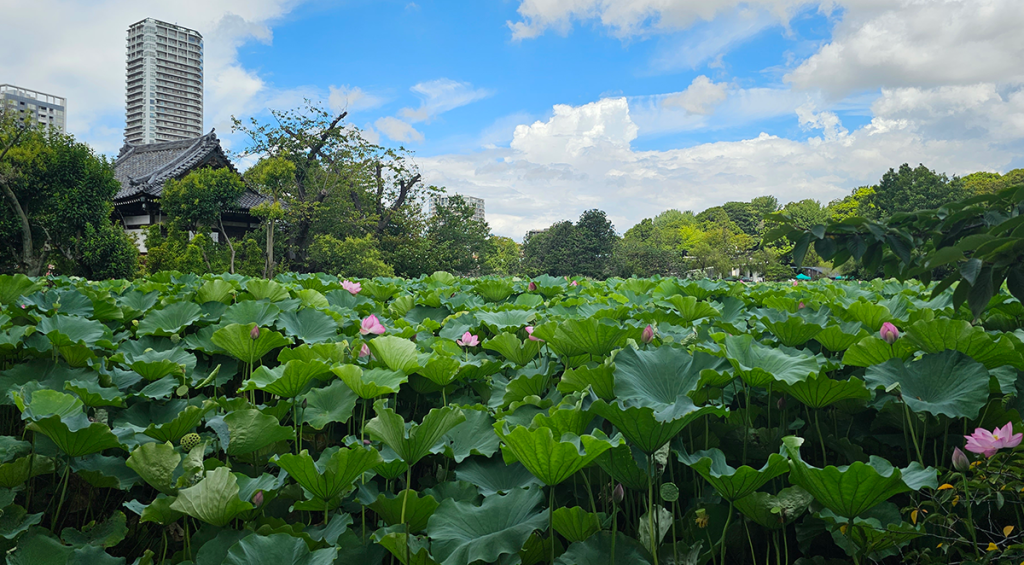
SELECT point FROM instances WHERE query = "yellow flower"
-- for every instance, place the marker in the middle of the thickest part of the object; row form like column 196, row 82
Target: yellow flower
column 842, row 529
column 702, row 518
column 992, row 547
column 1007, row 531
column 956, row 499
column 975, row 463
column 913, row 517
column 945, row 486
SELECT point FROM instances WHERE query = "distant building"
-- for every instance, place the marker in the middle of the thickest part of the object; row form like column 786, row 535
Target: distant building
column 476, row 203
column 143, row 169
column 36, row 107
column 164, row 83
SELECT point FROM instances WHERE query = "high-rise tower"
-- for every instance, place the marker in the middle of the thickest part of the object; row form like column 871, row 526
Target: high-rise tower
column 45, row 110
column 165, row 83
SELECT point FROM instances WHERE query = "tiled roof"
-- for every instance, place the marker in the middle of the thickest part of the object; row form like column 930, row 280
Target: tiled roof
column 143, row 169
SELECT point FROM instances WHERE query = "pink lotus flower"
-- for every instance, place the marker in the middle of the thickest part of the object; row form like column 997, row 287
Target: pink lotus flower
column 960, row 461
column 371, row 325
column 364, row 351
column 889, row 333
column 796, row 283
column 988, row 443
column 255, row 333
column 257, row 499
column 574, row 283
column 648, row 334
column 532, row 286
column 352, row 287
column 468, row 340
column 529, row 332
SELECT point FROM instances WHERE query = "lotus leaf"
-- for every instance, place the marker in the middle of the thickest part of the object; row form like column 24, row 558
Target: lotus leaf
column 170, row 320
column 397, row 353
column 333, row 473
column 371, row 383
column 474, row 436
column 551, row 460
column 416, row 441
column 13, row 287
column 660, row 379
column 948, row 383
column 156, row 464
column 262, row 289
column 733, row 483
column 288, row 380
column 775, row 511
column 418, row 509
column 333, row 403
column 575, row 524
column 599, row 378
column 518, row 352
column 311, row 326
column 213, row 500
column 642, row 427
column 462, row 533
column 493, row 476
column 594, row 336
column 821, row 391
column 939, row 335
column 840, row 336
column 598, row 549
column 277, row 549
column 216, row 290
column 237, row 340
column 759, row 365
column 67, row 331
column 184, row 422
column 251, row 430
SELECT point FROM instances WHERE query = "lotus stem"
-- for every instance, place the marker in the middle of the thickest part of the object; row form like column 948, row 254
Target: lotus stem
column 551, row 522
column 913, row 434
column 63, row 492
column 650, row 508
column 721, row 542
column 821, row 439
column 405, row 500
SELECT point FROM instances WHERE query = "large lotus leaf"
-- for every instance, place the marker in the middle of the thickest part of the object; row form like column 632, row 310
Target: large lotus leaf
column 775, row 511
column 333, row 473
column 793, row 330
column 333, row 403
column 941, row 334
column 628, row 465
column 277, row 549
column 15, row 286
column 575, row 524
column 395, row 540
column 850, row 490
column 871, row 350
column 549, row 459
column 103, row 471
column 643, row 429
column 44, row 402
column 732, row 483
column 170, row 320
column 416, row 441
column 875, row 534
column 462, row 533
column 288, row 380
column 40, row 547
column 217, row 290
column 107, row 533
column 660, row 379
column 15, row 473
column 475, row 436
column 134, row 304
column 71, row 302
column 331, row 353
column 597, row 550
column 237, row 340
column 159, row 511
column 371, row 383
column 518, row 352
column 67, row 426
column 156, row 463
column 493, row 290
column 821, row 391
column 252, row 430
column 598, row 337
column 311, row 326
column 95, row 395
column 399, row 354
column 154, row 365
column 438, row 369
column 184, row 422
column 948, row 383
column 566, row 418
column 213, row 500
column 417, row 509
column 690, row 308
column 841, row 336
column 500, row 321
column 66, row 331
column 493, row 476
column 760, row 365
column 311, row 298
column 263, row 289
column 15, row 520
column 869, row 314
column 562, row 346
column 599, row 378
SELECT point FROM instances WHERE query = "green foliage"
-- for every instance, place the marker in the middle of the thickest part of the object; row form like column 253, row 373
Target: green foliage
column 355, row 257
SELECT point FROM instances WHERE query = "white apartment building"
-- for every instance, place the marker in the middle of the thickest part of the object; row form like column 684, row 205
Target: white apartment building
column 476, row 203
column 39, row 108
column 164, row 83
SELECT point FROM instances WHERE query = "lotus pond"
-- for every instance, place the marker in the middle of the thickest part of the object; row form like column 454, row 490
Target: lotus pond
column 312, row 420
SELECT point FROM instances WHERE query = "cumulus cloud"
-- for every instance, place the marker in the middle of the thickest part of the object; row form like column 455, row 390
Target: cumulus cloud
column 440, row 96
column 582, row 158
column 397, row 130
column 700, row 97
column 909, row 43
column 78, row 51
column 352, row 99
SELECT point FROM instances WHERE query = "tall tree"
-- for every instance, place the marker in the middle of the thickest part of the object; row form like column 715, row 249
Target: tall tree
column 200, row 199
column 274, row 177
column 593, row 240
column 457, row 242
column 920, row 188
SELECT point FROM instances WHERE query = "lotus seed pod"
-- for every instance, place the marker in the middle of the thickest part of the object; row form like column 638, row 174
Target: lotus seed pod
column 190, row 441
column 669, row 492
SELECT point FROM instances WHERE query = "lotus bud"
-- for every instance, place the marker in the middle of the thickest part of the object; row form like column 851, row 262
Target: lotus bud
column 618, row 493
column 800, row 306
column 366, row 442
column 364, row 350
column 781, row 403
column 796, row 283
column 305, row 403
column 574, row 283
column 960, row 461
column 648, row 334
column 255, row 333
column 889, row 333
column 257, row 499
column 532, row 286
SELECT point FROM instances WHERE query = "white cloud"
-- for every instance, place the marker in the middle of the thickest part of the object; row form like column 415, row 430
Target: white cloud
column 440, row 96
column 581, row 158
column 397, row 130
column 628, row 18
column 700, row 97
column 352, row 99
column 706, row 42
column 914, row 43
column 77, row 50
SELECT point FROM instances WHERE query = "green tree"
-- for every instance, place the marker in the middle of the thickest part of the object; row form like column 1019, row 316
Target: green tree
column 504, row 256
column 550, row 251
column 197, row 202
column 456, row 241
column 915, row 189
column 273, row 177
column 592, row 242
column 58, row 199
column 858, row 203
column 744, row 215
column 984, row 182
column 356, row 257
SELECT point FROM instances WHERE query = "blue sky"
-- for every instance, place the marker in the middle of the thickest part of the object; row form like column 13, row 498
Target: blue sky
column 546, row 108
